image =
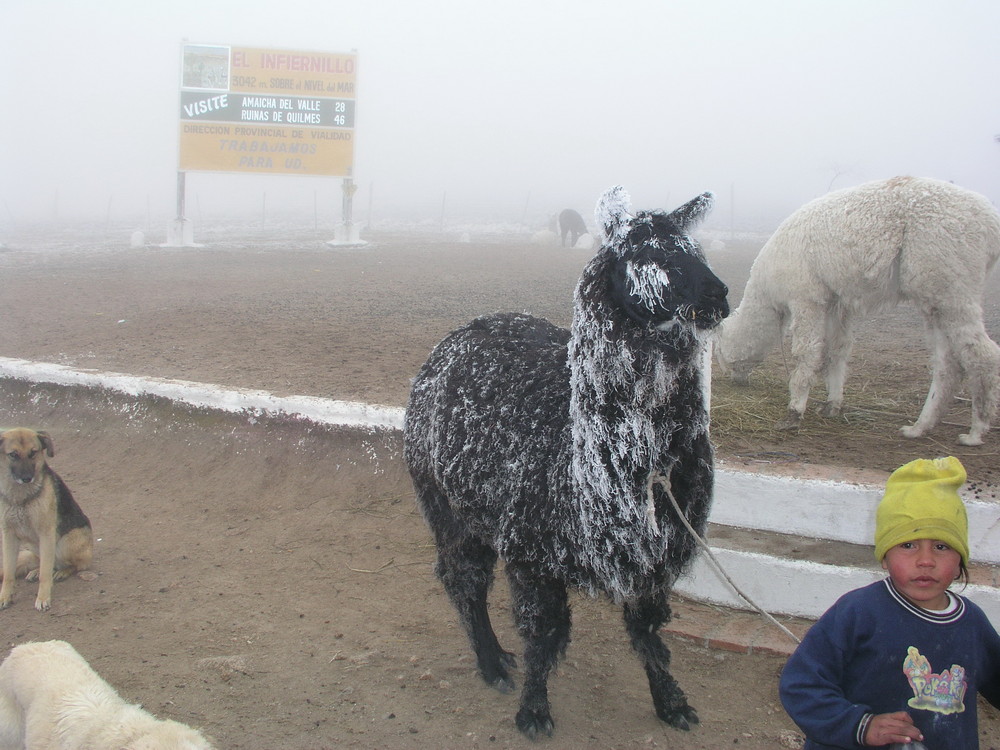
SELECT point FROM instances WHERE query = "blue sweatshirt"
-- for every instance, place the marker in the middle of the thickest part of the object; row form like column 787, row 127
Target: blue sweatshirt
column 873, row 652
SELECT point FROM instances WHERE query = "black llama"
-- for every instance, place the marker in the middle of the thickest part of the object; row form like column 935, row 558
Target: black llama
column 548, row 448
column 571, row 223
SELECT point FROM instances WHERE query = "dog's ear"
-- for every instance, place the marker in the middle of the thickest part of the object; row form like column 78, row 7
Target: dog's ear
column 46, row 440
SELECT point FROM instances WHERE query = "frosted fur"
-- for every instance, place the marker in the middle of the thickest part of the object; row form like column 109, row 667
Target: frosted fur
column 645, row 281
column 539, row 445
column 851, row 252
column 611, row 209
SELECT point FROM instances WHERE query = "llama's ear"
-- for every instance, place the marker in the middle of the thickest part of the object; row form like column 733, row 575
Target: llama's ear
column 691, row 213
column 613, row 213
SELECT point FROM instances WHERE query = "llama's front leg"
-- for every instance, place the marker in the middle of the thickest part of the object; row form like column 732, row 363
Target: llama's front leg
column 466, row 570
column 642, row 621
column 541, row 608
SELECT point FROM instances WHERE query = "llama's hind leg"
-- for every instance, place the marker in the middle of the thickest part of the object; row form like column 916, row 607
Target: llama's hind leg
column 642, row 621
column 541, row 608
column 979, row 358
column 945, row 376
column 807, row 329
column 983, row 375
column 466, row 570
column 839, row 342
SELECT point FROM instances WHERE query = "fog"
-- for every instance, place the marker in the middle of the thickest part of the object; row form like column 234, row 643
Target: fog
column 511, row 111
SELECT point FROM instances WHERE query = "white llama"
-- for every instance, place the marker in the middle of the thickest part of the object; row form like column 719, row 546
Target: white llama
column 855, row 250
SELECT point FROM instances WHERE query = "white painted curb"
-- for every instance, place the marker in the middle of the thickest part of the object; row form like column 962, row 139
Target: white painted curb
column 793, row 587
column 812, row 508
column 828, row 510
column 324, row 411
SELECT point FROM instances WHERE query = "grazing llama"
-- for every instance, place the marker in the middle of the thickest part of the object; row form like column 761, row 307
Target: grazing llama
column 571, row 223
column 559, row 451
column 856, row 250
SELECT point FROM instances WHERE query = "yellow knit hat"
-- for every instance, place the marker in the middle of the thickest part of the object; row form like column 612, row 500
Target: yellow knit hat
column 921, row 502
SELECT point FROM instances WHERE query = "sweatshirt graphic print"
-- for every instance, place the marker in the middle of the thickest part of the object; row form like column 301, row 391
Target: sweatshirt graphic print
column 942, row 692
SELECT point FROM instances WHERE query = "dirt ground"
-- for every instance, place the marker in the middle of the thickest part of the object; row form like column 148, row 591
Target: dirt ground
column 269, row 580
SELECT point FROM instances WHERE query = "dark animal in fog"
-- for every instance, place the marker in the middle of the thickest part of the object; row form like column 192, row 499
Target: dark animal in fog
column 558, row 451
column 853, row 251
column 572, row 224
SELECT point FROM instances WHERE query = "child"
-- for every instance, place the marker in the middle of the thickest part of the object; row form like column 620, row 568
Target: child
column 901, row 660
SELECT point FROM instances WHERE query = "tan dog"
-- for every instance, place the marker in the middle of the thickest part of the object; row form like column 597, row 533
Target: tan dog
column 45, row 534
column 51, row 698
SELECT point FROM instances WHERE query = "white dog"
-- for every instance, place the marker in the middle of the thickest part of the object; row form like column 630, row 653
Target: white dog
column 50, row 699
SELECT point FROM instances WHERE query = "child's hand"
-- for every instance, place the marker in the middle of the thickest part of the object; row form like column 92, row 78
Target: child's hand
column 884, row 729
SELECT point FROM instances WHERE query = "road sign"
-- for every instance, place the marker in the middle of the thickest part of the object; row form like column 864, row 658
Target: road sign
column 246, row 109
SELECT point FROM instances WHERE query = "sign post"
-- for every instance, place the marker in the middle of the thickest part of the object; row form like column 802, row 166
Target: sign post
column 347, row 232
column 181, row 232
column 260, row 111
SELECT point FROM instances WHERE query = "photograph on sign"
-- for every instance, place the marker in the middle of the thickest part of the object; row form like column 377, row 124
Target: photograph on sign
column 205, row 67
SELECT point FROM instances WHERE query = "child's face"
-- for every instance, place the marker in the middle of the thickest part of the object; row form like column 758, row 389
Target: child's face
column 922, row 570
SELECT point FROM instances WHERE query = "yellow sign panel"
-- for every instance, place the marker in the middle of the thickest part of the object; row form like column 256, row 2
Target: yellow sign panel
column 258, row 71
column 272, row 111
column 221, row 147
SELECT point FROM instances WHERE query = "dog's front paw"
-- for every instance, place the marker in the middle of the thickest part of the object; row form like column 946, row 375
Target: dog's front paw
column 6, row 601
column 42, row 604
